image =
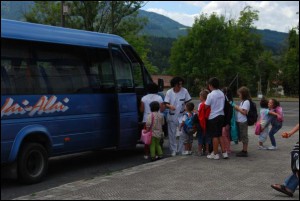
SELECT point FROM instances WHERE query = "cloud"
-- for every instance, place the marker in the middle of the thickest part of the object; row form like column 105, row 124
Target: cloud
column 182, row 18
column 274, row 15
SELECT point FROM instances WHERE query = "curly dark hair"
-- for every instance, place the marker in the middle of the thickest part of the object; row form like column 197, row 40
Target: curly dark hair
column 176, row 80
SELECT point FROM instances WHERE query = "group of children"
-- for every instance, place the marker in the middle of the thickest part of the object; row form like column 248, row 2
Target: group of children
column 270, row 113
column 195, row 121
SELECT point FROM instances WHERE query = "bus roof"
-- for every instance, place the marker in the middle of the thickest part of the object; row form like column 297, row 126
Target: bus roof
column 44, row 33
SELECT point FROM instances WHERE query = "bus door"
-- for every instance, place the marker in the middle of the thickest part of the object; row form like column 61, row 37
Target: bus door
column 127, row 122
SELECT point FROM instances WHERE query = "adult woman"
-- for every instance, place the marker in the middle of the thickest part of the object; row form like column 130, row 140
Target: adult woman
column 175, row 100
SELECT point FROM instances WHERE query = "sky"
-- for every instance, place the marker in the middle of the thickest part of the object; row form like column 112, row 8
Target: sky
column 274, row 15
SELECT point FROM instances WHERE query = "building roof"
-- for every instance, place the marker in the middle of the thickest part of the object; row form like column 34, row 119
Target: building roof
column 166, row 78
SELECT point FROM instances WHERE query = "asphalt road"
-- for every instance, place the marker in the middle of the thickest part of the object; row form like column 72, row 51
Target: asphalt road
column 88, row 165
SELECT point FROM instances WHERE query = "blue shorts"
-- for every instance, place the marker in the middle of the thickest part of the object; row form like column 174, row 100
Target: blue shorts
column 203, row 139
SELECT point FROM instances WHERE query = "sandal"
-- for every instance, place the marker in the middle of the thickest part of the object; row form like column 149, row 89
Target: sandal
column 282, row 189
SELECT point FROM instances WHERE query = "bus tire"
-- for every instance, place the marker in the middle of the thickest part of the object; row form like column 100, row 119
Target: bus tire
column 32, row 163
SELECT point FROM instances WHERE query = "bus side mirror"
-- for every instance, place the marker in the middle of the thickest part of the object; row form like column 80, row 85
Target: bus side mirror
column 160, row 84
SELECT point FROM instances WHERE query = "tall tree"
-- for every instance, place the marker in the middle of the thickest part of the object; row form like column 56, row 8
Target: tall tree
column 290, row 65
column 115, row 17
column 218, row 47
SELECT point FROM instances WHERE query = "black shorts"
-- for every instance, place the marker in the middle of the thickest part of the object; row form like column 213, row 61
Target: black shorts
column 214, row 126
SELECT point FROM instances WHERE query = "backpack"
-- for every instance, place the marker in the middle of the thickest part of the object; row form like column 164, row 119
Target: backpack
column 252, row 114
column 188, row 126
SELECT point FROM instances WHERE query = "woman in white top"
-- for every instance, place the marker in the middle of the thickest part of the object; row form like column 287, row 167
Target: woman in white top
column 241, row 118
column 175, row 101
column 152, row 88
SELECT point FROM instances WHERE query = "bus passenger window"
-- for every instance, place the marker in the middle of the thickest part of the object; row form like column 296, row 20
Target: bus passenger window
column 123, row 72
column 136, row 66
column 100, row 71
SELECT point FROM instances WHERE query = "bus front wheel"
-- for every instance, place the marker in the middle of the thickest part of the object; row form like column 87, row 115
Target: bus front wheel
column 32, row 163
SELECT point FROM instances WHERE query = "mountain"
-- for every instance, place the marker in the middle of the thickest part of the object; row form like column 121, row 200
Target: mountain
column 273, row 40
column 162, row 26
column 157, row 26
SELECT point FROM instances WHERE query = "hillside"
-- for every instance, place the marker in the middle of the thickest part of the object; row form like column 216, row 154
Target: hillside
column 162, row 26
column 158, row 25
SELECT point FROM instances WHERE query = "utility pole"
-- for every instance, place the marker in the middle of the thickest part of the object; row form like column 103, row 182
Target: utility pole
column 64, row 11
column 62, row 14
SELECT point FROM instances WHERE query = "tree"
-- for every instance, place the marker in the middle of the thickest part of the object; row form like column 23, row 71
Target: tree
column 290, row 65
column 115, row 17
column 216, row 47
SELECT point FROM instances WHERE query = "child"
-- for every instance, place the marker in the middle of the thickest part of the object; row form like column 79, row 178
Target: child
column 241, row 118
column 203, row 115
column 228, row 111
column 276, row 121
column 215, row 100
column 157, row 133
column 188, row 130
column 264, row 122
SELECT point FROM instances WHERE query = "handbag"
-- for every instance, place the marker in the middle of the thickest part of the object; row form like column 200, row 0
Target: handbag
column 146, row 135
column 257, row 128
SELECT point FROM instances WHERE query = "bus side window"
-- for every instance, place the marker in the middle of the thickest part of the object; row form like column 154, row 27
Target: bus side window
column 23, row 77
column 106, row 74
column 5, row 81
column 100, row 71
column 123, row 72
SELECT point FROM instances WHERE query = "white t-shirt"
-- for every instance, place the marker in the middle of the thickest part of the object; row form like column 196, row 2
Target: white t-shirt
column 178, row 100
column 239, row 116
column 147, row 100
column 215, row 100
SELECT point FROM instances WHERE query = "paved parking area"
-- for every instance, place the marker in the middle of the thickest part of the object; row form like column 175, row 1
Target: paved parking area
column 189, row 177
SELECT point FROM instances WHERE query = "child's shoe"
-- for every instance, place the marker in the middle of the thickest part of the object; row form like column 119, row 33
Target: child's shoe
column 272, row 148
column 225, row 155
column 260, row 147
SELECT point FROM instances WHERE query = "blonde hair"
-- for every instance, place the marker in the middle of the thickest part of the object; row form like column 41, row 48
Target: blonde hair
column 204, row 93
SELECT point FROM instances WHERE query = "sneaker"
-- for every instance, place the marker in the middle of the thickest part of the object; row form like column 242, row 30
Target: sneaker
column 173, row 153
column 146, row 156
column 210, row 156
column 225, row 155
column 242, row 154
column 185, row 153
column 159, row 157
column 262, row 148
column 213, row 156
column 153, row 159
column 272, row 148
